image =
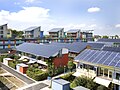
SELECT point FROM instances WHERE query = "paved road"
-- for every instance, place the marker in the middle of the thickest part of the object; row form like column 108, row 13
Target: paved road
column 26, row 79
column 36, row 87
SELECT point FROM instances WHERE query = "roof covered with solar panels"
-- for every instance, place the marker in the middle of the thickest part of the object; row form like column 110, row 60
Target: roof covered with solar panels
column 109, row 40
column 110, row 48
column 97, row 57
column 73, row 30
column 31, row 28
column 56, row 29
column 72, row 47
column 38, row 49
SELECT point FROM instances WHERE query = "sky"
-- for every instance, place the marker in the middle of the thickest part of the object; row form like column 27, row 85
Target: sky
column 102, row 16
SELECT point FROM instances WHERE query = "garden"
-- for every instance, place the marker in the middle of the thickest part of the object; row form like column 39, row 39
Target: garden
column 84, row 81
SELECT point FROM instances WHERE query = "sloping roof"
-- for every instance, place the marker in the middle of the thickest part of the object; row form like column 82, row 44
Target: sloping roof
column 114, row 49
column 73, row 30
column 55, row 29
column 31, row 28
column 72, row 47
column 38, row 49
column 96, row 45
column 97, row 57
column 77, row 47
column 109, row 40
column 3, row 25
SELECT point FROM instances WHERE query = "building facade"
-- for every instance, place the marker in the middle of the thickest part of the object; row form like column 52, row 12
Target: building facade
column 73, row 33
column 102, row 66
column 33, row 32
column 56, row 33
column 4, row 32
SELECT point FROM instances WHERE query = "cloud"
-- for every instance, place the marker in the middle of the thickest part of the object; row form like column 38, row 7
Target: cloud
column 28, row 16
column 33, row 1
column 30, row 1
column 94, row 9
column 117, row 25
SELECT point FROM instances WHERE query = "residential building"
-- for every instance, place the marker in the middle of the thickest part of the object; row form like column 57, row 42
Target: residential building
column 76, row 48
column 87, row 35
column 33, row 32
column 56, row 33
column 102, row 66
column 73, row 33
column 44, row 53
column 4, row 32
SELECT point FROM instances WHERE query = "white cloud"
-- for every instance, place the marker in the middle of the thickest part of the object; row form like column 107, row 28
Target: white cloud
column 117, row 25
column 28, row 16
column 33, row 1
column 29, row 1
column 94, row 9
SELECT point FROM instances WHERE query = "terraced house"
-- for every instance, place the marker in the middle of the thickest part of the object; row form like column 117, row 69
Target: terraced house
column 44, row 53
column 102, row 66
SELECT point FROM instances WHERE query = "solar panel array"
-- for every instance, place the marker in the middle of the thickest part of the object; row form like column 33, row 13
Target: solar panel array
column 56, row 29
column 100, row 57
column 38, row 50
column 109, row 40
column 114, row 49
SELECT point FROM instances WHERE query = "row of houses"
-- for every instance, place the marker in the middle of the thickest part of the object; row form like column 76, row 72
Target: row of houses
column 99, row 61
column 55, row 33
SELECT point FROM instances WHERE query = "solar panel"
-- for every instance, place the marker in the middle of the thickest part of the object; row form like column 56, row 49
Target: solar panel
column 104, row 58
column 93, row 56
column 110, row 58
column 38, row 50
column 101, row 57
column 90, row 55
column 115, row 49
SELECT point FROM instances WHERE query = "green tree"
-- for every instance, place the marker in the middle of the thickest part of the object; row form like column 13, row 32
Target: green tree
column 85, row 82
column 16, row 33
column 70, row 65
column 106, row 37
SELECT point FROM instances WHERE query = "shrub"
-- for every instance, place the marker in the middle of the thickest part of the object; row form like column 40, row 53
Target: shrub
column 12, row 64
column 40, row 76
column 36, row 74
column 1, row 57
column 69, row 77
column 85, row 82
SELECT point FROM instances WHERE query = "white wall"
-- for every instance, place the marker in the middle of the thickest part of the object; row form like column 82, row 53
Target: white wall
column 64, row 51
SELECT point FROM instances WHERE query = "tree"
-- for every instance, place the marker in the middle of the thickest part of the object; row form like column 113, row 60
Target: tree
column 16, row 33
column 85, row 82
column 70, row 65
column 106, row 37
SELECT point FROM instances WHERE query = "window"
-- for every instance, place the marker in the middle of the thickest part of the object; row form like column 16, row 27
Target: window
column 1, row 27
column 1, row 36
column 1, row 32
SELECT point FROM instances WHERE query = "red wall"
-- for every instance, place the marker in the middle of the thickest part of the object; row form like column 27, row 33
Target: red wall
column 61, row 61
